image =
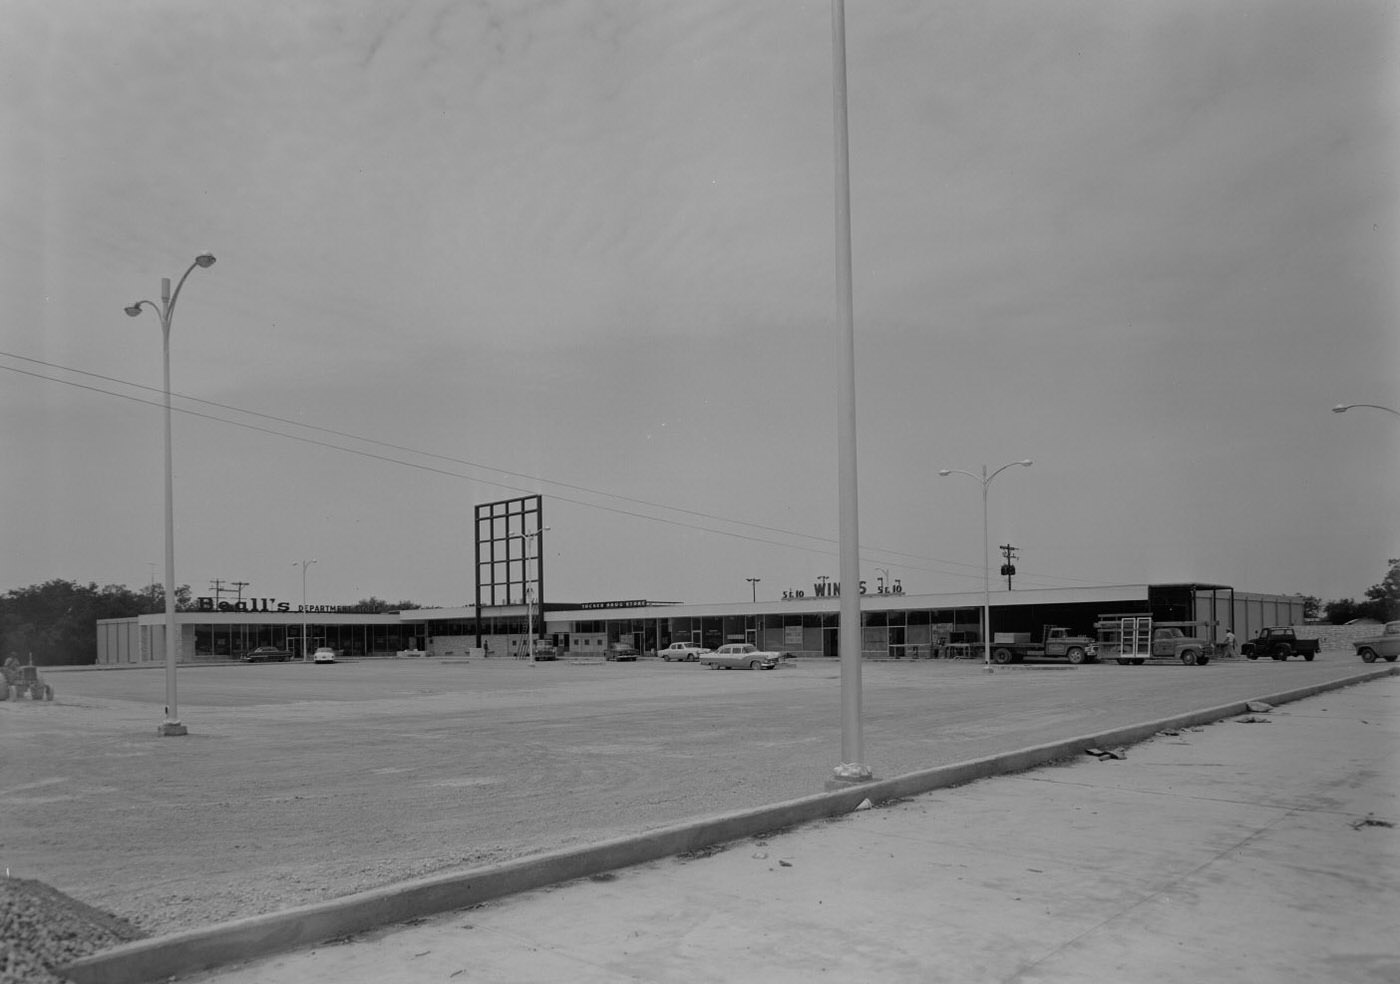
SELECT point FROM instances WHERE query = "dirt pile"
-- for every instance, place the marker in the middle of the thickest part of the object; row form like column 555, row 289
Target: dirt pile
column 41, row 928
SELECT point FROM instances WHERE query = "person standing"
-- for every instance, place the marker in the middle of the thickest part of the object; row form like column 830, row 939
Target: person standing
column 1230, row 642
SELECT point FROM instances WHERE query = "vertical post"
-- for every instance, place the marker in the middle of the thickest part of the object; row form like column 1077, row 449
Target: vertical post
column 852, row 767
column 171, row 725
column 986, row 581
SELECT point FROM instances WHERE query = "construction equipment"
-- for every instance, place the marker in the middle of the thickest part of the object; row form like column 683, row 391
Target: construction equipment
column 22, row 680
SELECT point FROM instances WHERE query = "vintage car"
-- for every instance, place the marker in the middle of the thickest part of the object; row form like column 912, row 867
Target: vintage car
column 266, row 654
column 1280, row 642
column 324, row 654
column 741, row 656
column 622, row 652
column 1385, row 646
column 683, row 652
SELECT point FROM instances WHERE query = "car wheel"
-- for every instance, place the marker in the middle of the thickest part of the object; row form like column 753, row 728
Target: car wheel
column 1369, row 656
column 1189, row 657
column 1075, row 655
column 1309, row 656
column 1283, row 650
column 1001, row 656
column 1123, row 662
column 1251, row 655
column 1390, row 659
column 1139, row 662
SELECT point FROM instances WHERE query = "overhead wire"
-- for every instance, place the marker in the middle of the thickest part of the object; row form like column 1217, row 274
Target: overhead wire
column 913, row 561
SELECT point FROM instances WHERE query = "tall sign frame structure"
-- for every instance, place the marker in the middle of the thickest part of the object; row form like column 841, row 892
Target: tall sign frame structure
column 507, row 570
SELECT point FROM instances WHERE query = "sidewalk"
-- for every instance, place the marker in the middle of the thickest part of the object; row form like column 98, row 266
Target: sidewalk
column 1264, row 847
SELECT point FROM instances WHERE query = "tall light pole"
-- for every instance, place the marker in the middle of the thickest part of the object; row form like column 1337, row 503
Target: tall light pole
column 165, row 311
column 1344, row 407
column 527, row 539
column 304, row 564
column 986, row 480
column 753, row 583
column 852, row 768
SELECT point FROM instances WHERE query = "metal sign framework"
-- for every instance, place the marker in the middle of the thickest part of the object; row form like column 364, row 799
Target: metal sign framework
column 509, row 569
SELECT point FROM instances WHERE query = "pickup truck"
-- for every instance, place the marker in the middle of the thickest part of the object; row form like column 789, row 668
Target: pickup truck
column 1055, row 643
column 1385, row 646
column 1280, row 642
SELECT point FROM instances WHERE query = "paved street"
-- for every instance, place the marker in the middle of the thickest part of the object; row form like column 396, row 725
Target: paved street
column 300, row 783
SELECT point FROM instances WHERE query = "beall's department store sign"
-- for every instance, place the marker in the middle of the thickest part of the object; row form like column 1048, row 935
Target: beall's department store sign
column 272, row 605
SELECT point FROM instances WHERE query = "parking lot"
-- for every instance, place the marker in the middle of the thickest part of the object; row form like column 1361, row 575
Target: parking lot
column 299, row 783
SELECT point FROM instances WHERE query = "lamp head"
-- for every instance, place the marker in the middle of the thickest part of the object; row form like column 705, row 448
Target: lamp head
column 945, row 472
column 133, row 309
column 1025, row 463
column 204, row 260
column 1339, row 408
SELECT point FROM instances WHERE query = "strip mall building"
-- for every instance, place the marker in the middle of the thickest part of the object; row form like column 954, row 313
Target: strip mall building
column 892, row 625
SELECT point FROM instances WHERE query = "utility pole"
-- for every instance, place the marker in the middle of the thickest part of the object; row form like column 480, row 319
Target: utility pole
column 239, row 586
column 217, row 586
column 1008, row 569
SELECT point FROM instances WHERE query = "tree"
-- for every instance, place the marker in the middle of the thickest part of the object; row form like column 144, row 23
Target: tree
column 1311, row 607
column 1385, row 597
column 1382, row 601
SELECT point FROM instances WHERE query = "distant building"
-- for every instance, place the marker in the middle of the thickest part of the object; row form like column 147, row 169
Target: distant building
column 805, row 625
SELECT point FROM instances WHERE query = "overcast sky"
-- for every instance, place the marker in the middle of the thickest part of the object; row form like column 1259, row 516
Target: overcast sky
column 468, row 251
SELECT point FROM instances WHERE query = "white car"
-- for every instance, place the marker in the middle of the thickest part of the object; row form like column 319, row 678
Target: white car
column 741, row 656
column 683, row 652
column 323, row 654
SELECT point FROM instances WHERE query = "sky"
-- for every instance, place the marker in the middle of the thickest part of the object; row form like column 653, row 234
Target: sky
column 473, row 251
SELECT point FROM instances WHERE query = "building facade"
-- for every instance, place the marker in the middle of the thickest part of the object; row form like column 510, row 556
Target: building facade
column 892, row 625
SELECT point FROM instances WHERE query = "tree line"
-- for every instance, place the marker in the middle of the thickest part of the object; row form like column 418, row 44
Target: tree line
column 55, row 623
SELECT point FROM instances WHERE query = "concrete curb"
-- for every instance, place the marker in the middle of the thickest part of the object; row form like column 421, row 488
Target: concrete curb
column 225, row 943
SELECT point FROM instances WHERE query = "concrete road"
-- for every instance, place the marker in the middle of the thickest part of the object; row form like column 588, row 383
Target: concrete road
column 300, row 782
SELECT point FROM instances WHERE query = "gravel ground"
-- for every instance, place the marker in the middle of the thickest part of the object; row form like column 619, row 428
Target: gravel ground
column 41, row 928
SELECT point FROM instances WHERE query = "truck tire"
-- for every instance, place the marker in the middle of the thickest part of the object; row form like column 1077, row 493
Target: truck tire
column 1367, row 655
column 1123, row 662
column 1075, row 654
column 1282, row 651
column 1002, row 656
column 1309, row 656
column 1190, row 657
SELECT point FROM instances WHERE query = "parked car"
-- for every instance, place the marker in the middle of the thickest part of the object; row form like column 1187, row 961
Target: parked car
column 266, row 654
column 622, row 652
column 1386, row 646
column 1280, row 642
column 683, row 652
column 323, row 654
column 741, row 656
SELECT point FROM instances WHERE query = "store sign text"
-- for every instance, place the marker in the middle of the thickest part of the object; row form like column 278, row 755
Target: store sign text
column 273, row 605
column 832, row 589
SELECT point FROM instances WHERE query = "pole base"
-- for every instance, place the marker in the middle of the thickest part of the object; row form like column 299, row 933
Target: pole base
column 849, row 774
column 988, row 669
column 171, row 729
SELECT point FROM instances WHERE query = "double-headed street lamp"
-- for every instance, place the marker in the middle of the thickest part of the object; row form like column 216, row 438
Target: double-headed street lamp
column 1344, row 407
column 165, row 311
column 303, row 564
column 753, row 583
column 986, row 480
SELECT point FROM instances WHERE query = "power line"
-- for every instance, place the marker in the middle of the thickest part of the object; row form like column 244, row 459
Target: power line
column 912, row 561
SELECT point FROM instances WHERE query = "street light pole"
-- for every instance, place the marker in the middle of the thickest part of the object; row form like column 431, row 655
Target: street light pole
column 753, row 583
column 986, row 481
column 529, row 538
column 852, row 768
column 1344, row 407
column 165, row 311
column 304, row 565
